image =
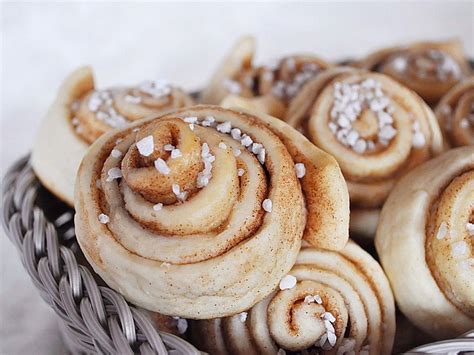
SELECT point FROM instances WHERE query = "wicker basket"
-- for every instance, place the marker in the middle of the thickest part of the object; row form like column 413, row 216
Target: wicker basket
column 93, row 318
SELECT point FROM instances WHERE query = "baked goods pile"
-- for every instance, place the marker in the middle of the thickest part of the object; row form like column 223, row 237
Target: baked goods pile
column 226, row 214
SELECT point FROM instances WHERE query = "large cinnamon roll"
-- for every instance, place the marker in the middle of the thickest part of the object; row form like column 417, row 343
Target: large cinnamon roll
column 269, row 87
column 375, row 128
column 199, row 213
column 331, row 302
column 455, row 113
column 425, row 243
column 429, row 68
column 81, row 113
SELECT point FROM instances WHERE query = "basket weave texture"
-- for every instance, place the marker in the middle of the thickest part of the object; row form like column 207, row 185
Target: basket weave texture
column 93, row 318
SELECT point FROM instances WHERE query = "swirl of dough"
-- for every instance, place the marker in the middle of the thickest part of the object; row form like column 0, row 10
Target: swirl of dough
column 375, row 128
column 99, row 111
column 187, row 214
column 268, row 87
column 425, row 243
column 338, row 302
column 81, row 113
column 455, row 113
column 431, row 69
column 323, row 185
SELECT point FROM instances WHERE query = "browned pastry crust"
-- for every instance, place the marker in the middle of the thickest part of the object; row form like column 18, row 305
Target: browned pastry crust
column 180, row 217
column 425, row 243
column 323, row 184
column 269, row 88
column 429, row 68
column 455, row 113
column 80, row 114
column 375, row 128
column 340, row 302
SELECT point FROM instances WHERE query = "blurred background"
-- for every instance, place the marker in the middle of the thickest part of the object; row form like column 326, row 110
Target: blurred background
column 183, row 42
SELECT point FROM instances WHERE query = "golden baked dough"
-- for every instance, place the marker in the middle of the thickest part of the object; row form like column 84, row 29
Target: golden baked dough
column 323, row 185
column 425, row 243
column 455, row 113
column 199, row 213
column 80, row 114
column 268, row 87
column 338, row 303
column 428, row 68
column 375, row 128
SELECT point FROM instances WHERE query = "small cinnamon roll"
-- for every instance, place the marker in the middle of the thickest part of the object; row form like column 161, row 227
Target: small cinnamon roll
column 377, row 130
column 431, row 69
column 455, row 113
column 81, row 113
column 268, row 87
column 425, row 243
column 330, row 303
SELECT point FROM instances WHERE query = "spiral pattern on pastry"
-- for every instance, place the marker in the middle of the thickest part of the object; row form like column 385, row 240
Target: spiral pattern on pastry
column 375, row 128
column 428, row 68
column 425, row 243
column 340, row 303
column 269, row 87
column 324, row 187
column 97, row 111
column 81, row 113
column 455, row 113
column 197, row 213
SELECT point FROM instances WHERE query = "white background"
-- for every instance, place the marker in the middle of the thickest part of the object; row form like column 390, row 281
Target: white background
column 183, row 42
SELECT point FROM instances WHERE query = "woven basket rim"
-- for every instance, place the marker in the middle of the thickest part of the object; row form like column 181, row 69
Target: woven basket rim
column 93, row 318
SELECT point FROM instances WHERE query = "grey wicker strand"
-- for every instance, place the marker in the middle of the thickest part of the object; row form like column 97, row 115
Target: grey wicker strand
column 93, row 318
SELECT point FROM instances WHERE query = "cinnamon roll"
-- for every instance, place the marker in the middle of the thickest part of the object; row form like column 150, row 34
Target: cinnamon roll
column 375, row 128
column 81, row 113
column 330, row 303
column 425, row 243
column 429, row 68
column 200, row 212
column 270, row 87
column 455, row 113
